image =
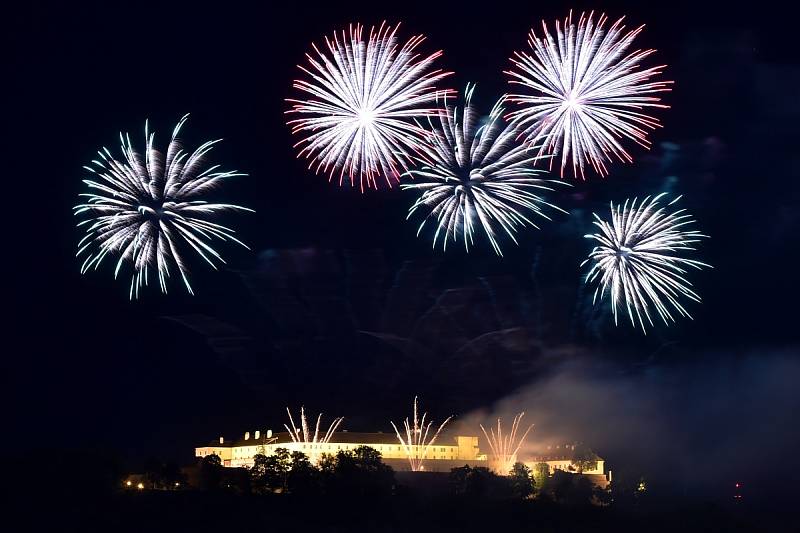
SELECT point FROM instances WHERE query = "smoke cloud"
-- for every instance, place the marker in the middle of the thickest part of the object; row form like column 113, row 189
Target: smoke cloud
column 693, row 427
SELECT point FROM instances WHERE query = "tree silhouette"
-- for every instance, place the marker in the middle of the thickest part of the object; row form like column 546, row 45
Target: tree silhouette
column 361, row 472
column 541, row 471
column 479, row 482
column 303, row 477
column 521, row 481
column 210, row 472
column 269, row 473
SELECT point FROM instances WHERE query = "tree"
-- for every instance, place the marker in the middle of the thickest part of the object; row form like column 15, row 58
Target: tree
column 602, row 496
column 569, row 489
column 521, row 481
column 541, row 471
column 269, row 473
column 326, row 464
column 303, row 477
column 479, row 482
column 210, row 472
column 357, row 472
column 458, row 479
column 583, row 458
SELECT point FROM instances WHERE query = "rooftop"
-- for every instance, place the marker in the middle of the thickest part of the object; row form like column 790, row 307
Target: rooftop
column 350, row 437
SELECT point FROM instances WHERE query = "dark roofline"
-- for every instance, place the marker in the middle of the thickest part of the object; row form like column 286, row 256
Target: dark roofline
column 354, row 437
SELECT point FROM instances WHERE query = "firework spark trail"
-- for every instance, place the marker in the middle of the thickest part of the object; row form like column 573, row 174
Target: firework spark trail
column 505, row 447
column 588, row 93
column 143, row 208
column 362, row 98
column 477, row 171
column 304, row 435
column 636, row 256
column 416, row 444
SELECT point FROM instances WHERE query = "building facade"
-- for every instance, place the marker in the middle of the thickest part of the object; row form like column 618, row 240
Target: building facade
column 559, row 457
column 446, row 453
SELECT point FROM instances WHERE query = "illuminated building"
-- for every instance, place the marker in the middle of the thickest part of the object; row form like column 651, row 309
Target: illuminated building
column 560, row 458
column 446, row 453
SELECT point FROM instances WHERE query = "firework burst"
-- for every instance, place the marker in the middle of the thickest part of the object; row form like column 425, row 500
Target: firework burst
column 418, row 438
column 304, row 435
column 505, row 447
column 589, row 94
column 360, row 101
column 144, row 209
column 637, row 259
column 477, row 176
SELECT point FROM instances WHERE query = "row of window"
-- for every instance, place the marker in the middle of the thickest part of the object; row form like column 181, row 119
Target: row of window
column 252, row 450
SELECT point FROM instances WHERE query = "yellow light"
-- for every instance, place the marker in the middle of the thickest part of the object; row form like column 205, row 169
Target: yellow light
column 128, row 483
column 140, row 486
column 177, row 484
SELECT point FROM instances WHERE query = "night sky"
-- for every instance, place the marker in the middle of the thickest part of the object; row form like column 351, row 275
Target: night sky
column 339, row 305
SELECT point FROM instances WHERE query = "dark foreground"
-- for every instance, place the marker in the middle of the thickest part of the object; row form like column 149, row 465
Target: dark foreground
column 199, row 512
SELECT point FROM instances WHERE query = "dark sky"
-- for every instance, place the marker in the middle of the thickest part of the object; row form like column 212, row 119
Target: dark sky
column 158, row 375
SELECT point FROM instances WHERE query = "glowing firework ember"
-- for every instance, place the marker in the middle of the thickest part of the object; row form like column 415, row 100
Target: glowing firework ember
column 589, row 94
column 505, row 447
column 145, row 208
column 304, row 435
column 418, row 438
column 362, row 97
column 477, row 175
column 637, row 259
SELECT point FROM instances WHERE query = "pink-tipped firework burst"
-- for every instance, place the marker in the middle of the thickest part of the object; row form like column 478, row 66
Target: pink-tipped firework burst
column 418, row 438
column 146, row 209
column 360, row 101
column 588, row 93
column 505, row 447
column 477, row 177
column 638, row 259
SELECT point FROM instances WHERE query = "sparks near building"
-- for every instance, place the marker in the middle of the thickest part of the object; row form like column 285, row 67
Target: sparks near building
column 450, row 451
column 419, row 439
column 505, row 447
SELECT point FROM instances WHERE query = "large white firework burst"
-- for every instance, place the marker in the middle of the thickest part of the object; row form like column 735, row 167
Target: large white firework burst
column 588, row 93
column 146, row 209
column 639, row 259
column 477, row 176
column 360, row 99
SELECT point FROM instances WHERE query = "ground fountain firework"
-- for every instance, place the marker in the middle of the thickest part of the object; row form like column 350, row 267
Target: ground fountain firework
column 303, row 434
column 418, row 438
column 504, row 447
